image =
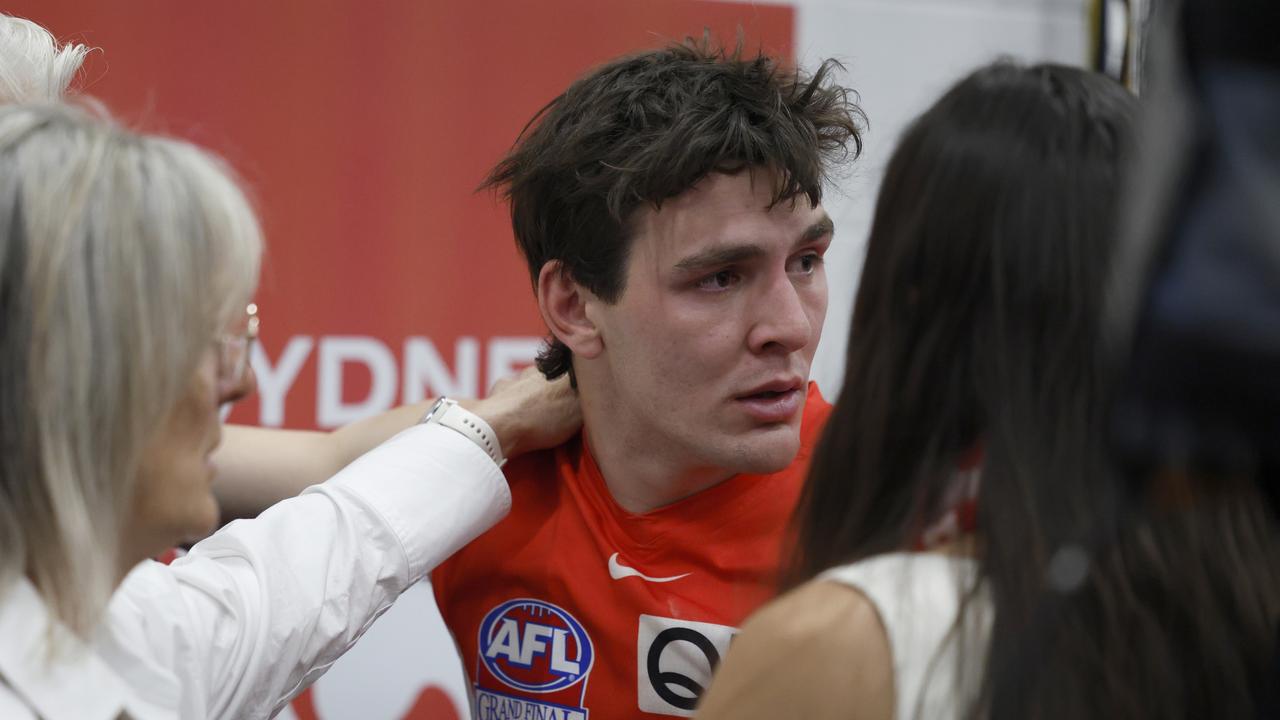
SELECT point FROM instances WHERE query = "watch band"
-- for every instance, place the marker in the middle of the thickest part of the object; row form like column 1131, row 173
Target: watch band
column 447, row 412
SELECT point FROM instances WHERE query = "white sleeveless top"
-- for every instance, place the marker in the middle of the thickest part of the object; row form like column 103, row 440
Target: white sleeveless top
column 918, row 597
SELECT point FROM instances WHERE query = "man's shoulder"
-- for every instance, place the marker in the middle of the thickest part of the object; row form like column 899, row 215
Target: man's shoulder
column 550, row 464
column 816, row 406
column 816, row 412
column 543, row 485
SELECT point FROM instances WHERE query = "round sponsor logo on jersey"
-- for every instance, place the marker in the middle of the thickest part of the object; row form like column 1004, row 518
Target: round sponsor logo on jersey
column 534, row 646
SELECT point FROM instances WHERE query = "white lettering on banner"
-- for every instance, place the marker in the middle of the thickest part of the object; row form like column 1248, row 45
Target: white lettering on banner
column 425, row 373
column 274, row 382
column 507, row 355
column 331, row 410
column 424, row 370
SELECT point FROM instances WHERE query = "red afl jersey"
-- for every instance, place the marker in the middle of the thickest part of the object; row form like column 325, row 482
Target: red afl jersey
column 572, row 607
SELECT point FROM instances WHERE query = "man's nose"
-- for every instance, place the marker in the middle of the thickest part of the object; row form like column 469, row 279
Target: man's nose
column 783, row 322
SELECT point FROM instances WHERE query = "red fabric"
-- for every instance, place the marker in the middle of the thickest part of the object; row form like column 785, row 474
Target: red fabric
column 364, row 128
column 961, row 517
column 555, row 548
column 168, row 556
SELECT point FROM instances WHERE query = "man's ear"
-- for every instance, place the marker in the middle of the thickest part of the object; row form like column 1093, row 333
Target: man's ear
column 563, row 304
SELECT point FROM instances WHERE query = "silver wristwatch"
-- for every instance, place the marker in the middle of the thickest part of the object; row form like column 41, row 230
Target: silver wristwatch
column 447, row 412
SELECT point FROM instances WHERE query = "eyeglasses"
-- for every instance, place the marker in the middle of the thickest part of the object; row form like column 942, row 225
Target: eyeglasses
column 233, row 351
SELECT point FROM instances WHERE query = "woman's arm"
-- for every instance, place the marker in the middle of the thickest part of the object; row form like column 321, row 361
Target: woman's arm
column 263, row 607
column 258, row 467
column 817, row 652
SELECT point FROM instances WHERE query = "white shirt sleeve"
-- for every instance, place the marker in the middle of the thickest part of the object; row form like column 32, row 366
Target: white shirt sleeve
column 259, row 610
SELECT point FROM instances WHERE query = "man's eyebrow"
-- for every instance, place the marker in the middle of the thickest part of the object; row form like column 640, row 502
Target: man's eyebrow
column 717, row 256
column 733, row 254
column 818, row 229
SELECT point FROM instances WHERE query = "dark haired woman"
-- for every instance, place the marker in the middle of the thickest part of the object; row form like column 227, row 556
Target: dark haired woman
column 972, row 354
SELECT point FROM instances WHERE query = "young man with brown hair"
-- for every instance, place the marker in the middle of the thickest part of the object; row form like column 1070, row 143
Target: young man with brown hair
column 668, row 205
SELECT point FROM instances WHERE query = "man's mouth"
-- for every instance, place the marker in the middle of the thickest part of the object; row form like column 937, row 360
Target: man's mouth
column 775, row 402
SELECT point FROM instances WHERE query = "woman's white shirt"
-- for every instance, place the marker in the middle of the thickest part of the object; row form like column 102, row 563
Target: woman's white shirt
column 937, row 662
column 260, row 609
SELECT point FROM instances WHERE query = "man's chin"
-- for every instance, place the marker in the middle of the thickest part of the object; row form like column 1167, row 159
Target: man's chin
column 768, row 452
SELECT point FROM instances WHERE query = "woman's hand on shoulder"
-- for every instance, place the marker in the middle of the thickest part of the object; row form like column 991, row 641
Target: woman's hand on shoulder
column 529, row 412
column 820, row 651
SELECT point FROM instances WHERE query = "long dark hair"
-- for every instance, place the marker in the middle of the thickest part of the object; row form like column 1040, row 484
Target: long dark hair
column 976, row 324
column 976, row 318
column 1175, row 618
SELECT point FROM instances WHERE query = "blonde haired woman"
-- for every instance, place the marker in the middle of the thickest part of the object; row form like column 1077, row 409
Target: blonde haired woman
column 256, row 467
column 126, row 264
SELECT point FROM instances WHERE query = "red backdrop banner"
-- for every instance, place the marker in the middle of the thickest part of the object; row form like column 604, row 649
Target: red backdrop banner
column 362, row 130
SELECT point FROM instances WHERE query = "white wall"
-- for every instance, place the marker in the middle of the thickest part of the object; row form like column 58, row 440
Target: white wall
column 900, row 55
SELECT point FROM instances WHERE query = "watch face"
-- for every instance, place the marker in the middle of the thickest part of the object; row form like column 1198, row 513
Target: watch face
column 436, row 409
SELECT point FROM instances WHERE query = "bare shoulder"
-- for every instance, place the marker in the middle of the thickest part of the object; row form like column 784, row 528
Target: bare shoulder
column 819, row 651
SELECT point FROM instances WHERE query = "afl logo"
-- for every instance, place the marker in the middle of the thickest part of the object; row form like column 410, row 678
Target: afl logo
column 534, row 646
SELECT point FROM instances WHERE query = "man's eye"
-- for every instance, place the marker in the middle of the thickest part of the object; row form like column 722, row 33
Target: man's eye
column 806, row 264
column 722, row 280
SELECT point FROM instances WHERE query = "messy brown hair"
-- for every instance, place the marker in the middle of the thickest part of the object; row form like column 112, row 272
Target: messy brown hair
column 647, row 127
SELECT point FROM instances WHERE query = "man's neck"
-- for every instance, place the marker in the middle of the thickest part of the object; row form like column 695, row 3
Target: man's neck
column 640, row 480
column 641, row 476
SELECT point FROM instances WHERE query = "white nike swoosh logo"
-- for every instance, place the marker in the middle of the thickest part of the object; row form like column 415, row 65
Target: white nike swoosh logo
column 617, row 571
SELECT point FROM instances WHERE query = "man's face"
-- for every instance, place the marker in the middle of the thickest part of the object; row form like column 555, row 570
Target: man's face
column 707, row 351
